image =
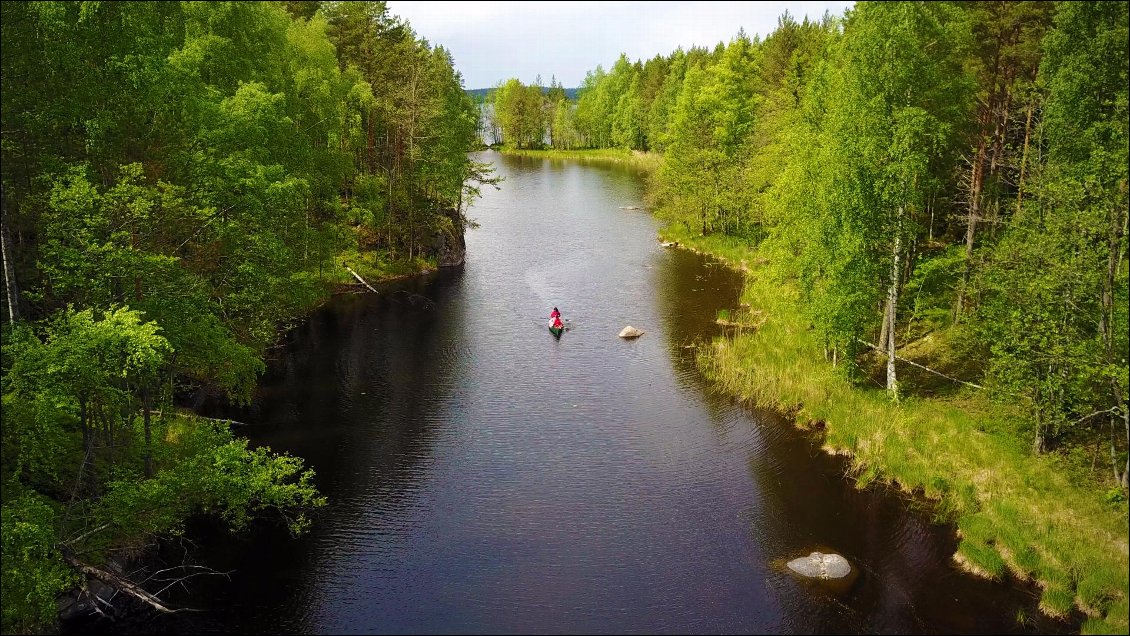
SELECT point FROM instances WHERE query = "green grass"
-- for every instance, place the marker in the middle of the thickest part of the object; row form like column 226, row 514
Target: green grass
column 1013, row 510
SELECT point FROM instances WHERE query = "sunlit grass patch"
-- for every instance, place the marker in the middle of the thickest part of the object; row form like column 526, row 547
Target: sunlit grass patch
column 1026, row 560
column 1094, row 591
column 980, row 559
column 1058, row 596
column 1115, row 621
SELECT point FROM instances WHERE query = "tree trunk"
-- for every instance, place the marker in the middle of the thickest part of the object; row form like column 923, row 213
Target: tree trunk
column 1126, row 427
column 11, row 289
column 84, row 423
column 371, row 145
column 884, row 330
column 146, row 417
column 1024, row 156
column 136, row 279
column 976, row 183
column 115, row 580
column 892, row 303
column 1119, row 228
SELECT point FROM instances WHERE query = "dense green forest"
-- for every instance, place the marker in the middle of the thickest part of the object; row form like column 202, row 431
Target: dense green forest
column 181, row 181
column 943, row 188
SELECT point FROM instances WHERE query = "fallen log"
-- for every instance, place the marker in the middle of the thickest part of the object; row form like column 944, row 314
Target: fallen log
column 924, row 368
column 359, row 279
column 225, row 420
column 116, row 581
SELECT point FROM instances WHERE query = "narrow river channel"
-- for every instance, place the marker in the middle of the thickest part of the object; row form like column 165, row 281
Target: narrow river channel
column 485, row 477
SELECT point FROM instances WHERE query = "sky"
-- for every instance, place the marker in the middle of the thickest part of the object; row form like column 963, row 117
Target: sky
column 495, row 41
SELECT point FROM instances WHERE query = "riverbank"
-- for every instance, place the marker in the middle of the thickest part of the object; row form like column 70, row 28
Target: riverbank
column 138, row 552
column 647, row 162
column 335, row 277
column 1040, row 518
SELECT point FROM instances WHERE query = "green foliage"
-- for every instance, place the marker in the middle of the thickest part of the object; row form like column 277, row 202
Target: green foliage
column 1055, row 287
column 521, row 114
column 205, row 469
column 33, row 572
column 930, row 290
column 962, row 169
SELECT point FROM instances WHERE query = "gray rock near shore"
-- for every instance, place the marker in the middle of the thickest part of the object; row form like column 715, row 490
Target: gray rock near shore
column 630, row 332
column 821, row 566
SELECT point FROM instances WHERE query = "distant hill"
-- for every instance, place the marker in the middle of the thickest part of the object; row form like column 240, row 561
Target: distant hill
column 480, row 94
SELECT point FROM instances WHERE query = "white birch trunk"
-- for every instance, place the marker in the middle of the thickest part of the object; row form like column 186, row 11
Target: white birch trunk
column 11, row 290
column 892, row 304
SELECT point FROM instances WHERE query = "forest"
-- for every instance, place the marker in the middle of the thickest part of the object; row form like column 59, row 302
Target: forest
column 942, row 189
column 953, row 170
column 181, row 182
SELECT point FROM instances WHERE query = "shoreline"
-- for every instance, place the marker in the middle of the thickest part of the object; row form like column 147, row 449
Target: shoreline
column 948, row 452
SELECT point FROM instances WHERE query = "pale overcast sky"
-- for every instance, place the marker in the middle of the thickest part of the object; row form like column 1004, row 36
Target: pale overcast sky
column 494, row 41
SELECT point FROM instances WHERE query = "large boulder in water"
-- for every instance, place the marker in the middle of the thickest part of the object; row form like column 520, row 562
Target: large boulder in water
column 630, row 332
column 821, row 566
column 830, row 572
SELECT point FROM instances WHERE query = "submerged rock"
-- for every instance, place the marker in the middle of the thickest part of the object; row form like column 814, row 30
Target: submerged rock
column 630, row 332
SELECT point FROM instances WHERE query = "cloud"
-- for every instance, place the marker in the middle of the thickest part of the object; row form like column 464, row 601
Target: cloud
column 494, row 41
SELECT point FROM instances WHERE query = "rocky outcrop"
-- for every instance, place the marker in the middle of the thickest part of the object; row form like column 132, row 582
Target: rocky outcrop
column 630, row 332
column 450, row 244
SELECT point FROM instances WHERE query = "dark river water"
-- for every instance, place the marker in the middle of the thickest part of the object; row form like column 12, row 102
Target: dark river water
column 485, row 477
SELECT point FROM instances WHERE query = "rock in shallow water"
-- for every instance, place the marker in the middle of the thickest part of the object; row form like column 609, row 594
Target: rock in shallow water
column 821, row 566
column 630, row 332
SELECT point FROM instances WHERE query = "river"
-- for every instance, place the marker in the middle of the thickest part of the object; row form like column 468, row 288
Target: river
column 485, row 477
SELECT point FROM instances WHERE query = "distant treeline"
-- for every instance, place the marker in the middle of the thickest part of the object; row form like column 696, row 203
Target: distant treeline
column 180, row 181
column 482, row 95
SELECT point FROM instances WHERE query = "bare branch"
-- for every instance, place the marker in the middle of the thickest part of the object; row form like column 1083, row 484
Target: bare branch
column 86, row 534
column 116, row 581
column 1113, row 409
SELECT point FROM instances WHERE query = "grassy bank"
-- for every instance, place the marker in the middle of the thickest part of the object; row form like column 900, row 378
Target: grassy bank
column 375, row 267
column 645, row 161
column 1040, row 517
